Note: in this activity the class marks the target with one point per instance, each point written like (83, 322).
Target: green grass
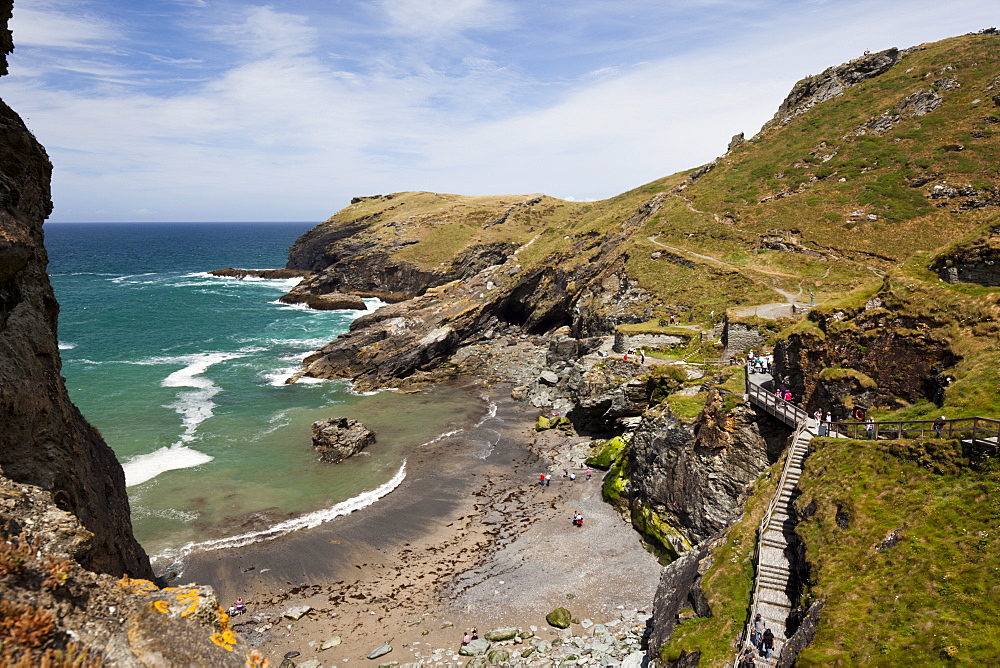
(727, 585)
(933, 599)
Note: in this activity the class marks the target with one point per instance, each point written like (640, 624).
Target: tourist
(870, 429)
(240, 606)
(466, 639)
(767, 643)
(572, 477)
(788, 395)
(818, 416)
(642, 356)
(589, 473)
(746, 661)
(541, 480)
(939, 426)
(757, 630)
(475, 633)
(548, 479)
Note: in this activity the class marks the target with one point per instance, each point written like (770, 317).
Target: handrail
(785, 411)
(764, 522)
(976, 428)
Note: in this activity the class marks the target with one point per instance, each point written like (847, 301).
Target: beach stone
(600, 630)
(559, 618)
(332, 642)
(502, 633)
(477, 647)
(381, 650)
(634, 660)
(297, 612)
(497, 656)
(476, 662)
(336, 439)
(286, 663)
(586, 623)
(311, 663)
(528, 651)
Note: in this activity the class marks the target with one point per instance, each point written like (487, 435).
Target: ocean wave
(285, 284)
(145, 467)
(138, 511)
(196, 406)
(126, 278)
(66, 346)
(307, 521)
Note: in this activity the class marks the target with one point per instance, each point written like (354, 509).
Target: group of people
(762, 640)
(470, 636)
(784, 393)
(760, 363)
(577, 519)
(545, 479)
(237, 608)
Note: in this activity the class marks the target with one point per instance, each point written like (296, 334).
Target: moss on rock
(559, 618)
(607, 452)
(663, 537)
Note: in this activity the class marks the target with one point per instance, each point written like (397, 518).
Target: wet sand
(467, 540)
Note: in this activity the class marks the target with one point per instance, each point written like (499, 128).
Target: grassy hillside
(825, 203)
(901, 539)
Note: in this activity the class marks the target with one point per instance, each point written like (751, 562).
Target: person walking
(939, 425)
(541, 480)
(870, 429)
(757, 630)
(818, 417)
(548, 479)
(767, 643)
(589, 473)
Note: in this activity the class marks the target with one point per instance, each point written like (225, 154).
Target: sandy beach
(469, 539)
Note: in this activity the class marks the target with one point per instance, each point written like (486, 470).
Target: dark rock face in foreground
(45, 441)
(336, 439)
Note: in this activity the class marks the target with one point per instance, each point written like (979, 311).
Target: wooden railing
(976, 428)
(769, 402)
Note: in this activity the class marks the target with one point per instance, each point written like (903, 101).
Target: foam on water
(66, 346)
(194, 406)
(307, 521)
(146, 467)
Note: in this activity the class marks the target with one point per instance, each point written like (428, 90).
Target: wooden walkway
(773, 573)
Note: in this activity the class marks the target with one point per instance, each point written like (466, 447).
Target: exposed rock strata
(881, 358)
(832, 82)
(336, 301)
(270, 274)
(696, 477)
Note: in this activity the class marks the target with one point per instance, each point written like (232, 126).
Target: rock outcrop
(695, 478)
(864, 357)
(977, 261)
(336, 439)
(832, 82)
(59, 610)
(336, 301)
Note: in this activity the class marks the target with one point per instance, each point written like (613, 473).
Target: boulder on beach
(559, 618)
(336, 439)
(381, 650)
(477, 647)
(297, 612)
(497, 657)
(502, 633)
(336, 301)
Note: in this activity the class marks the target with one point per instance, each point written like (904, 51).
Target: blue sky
(197, 110)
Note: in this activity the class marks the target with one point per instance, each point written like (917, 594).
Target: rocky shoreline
(466, 541)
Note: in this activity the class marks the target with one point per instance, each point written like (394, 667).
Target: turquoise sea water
(183, 374)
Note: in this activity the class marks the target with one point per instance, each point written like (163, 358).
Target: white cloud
(262, 31)
(46, 26)
(437, 19)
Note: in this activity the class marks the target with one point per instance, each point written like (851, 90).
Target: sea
(183, 373)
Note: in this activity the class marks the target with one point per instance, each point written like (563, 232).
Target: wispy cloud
(226, 111)
(44, 25)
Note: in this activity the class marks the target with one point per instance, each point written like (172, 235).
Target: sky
(205, 110)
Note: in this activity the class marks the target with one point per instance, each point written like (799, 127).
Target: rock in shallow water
(336, 439)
